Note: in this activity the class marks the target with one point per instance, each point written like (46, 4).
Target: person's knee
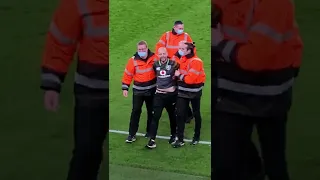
(88, 150)
(197, 113)
(136, 110)
(180, 112)
(172, 116)
(157, 110)
(275, 162)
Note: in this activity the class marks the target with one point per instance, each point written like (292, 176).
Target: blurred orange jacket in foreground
(259, 57)
(77, 26)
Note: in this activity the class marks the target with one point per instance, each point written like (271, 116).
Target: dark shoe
(151, 144)
(131, 139)
(178, 144)
(172, 139)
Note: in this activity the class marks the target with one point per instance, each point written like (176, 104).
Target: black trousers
(253, 165)
(182, 108)
(190, 113)
(233, 153)
(160, 102)
(90, 128)
(137, 102)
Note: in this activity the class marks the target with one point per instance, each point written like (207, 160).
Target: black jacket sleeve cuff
(125, 86)
(227, 50)
(51, 80)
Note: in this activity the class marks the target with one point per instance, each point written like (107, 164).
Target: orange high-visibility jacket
(170, 40)
(141, 72)
(262, 46)
(77, 26)
(192, 77)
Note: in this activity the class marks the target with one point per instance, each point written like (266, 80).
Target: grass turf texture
(37, 145)
(128, 25)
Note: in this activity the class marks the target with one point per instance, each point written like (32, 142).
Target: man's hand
(177, 73)
(125, 93)
(216, 35)
(51, 100)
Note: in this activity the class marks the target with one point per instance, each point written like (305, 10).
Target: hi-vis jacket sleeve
(128, 74)
(269, 31)
(196, 70)
(175, 57)
(161, 43)
(60, 45)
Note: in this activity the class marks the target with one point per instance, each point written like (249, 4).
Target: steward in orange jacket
(191, 79)
(140, 69)
(170, 39)
(176, 57)
(81, 27)
(257, 59)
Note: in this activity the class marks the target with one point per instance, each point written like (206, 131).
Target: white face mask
(142, 54)
(179, 31)
(181, 53)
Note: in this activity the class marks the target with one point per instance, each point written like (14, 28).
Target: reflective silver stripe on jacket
(58, 35)
(91, 83)
(48, 77)
(268, 31)
(190, 89)
(255, 90)
(144, 87)
(141, 71)
(195, 71)
(127, 72)
(90, 29)
(227, 50)
(162, 42)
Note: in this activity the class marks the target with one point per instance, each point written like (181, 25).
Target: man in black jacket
(166, 95)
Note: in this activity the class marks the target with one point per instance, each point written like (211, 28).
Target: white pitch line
(160, 137)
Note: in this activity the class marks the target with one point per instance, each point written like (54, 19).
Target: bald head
(162, 50)
(163, 54)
